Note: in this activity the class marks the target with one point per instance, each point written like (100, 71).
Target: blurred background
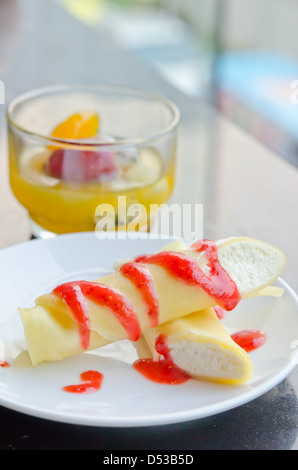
(239, 56)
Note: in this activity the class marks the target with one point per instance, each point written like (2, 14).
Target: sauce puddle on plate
(91, 381)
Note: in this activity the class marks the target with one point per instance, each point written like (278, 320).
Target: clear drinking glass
(61, 181)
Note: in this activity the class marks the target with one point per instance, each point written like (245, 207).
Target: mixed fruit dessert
(62, 184)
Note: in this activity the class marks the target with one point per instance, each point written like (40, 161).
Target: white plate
(125, 398)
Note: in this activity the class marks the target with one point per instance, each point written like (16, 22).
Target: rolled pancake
(52, 332)
(200, 345)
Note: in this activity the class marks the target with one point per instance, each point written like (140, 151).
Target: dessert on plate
(170, 296)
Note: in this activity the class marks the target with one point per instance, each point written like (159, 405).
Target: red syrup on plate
(91, 381)
(164, 370)
(4, 364)
(249, 340)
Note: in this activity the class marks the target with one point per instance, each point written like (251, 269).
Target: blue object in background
(267, 86)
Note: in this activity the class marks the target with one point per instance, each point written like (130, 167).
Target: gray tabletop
(245, 188)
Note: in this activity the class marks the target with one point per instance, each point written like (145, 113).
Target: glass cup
(93, 178)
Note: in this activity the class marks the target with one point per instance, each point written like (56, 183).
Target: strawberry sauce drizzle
(218, 284)
(220, 312)
(164, 370)
(74, 293)
(91, 381)
(4, 364)
(142, 279)
(249, 340)
(141, 258)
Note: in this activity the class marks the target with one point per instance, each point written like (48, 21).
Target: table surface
(246, 190)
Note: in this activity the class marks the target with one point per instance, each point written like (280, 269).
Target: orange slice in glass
(77, 126)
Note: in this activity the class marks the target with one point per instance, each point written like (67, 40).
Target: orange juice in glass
(73, 148)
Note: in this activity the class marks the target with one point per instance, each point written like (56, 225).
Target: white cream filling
(250, 263)
(206, 360)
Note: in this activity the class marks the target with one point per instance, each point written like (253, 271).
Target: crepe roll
(82, 315)
(200, 345)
